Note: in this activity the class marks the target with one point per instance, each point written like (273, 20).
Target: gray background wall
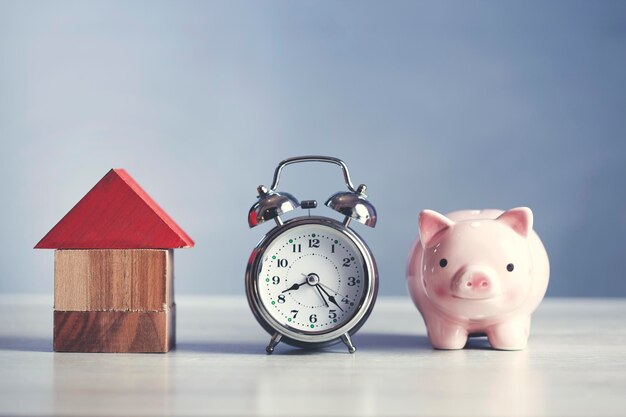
(433, 105)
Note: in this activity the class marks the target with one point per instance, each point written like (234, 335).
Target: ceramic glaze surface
(477, 272)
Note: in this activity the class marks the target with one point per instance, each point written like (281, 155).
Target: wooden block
(116, 214)
(113, 279)
(114, 331)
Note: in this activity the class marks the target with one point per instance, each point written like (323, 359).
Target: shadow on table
(382, 341)
(371, 342)
(26, 344)
(365, 341)
(221, 347)
(478, 343)
(245, 349)
(386, 341)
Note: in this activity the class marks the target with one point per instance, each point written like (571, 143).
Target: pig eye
(443, 262)
(510, 267)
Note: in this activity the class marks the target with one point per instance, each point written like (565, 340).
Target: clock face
(312, 278)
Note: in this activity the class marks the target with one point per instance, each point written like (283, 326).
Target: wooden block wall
(114, 331)
(114, 300)
(113, 279)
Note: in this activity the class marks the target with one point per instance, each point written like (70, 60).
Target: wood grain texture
(113, 279)
(116, 214)
(114, 331)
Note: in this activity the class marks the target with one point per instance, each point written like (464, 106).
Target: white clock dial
(311, 278)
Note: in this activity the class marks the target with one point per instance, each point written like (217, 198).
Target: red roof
(116, 214)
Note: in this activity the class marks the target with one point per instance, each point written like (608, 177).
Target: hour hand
(295, 286)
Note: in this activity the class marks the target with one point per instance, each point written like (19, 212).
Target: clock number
(346, 261)
(345, 300)
(332, 314)
(314, 243)
(297, 247)
(275, 280)
(281, 263)
(281, 298)
(351, 281)
(313, 318)
(332, 248)
(295, 313)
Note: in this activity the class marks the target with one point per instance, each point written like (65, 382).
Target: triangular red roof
(116, 214)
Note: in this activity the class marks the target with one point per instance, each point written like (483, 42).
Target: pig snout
(475, 284)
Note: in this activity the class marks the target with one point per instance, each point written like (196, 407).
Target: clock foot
(348, 342)
(273, 342)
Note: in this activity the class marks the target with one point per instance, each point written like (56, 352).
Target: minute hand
(317, 287)
(331, 298)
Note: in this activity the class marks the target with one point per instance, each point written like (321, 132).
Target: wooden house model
(114, 271)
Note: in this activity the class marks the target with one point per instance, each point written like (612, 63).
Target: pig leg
(446, 335)
(510, 335)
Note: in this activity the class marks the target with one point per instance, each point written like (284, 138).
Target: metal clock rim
(299, 337)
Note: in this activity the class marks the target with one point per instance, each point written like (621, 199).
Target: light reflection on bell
(353, 206)
(270, 205)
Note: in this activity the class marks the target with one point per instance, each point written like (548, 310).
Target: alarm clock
(311, 281)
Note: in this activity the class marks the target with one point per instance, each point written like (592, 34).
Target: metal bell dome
(354, 206)
(270, 205)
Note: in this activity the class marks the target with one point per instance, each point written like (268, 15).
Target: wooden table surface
(575, 365)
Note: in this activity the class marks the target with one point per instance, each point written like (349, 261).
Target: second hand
(330, 289)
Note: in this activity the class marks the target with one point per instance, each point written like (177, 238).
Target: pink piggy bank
(478, 272)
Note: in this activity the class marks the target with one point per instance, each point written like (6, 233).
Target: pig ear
(432, 224)
(519, 219)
